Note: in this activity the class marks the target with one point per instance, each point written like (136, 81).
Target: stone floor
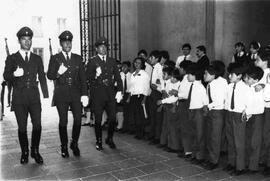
(133, 160)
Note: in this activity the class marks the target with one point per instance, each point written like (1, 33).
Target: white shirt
(23, 53)
(168, 87)
(157, 75)
(140, 83)
(265, 80)
(65, 54)
(128, 76)
(198, 97)
(184, 88)
(102, 57)
(218, 92)
(242, 96)
(181, 59)
(256, 103)
(148, 70)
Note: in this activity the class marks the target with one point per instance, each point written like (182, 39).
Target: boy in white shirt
(216, 92)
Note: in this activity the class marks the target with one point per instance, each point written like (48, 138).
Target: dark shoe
(238, 172)
(24, 157)
(228, 168)
(99, 145)
(160, 146)
(138, 137)
(35, 154)
(110, 142)
(266, 171)
(64, 151)
(86, 124)
(74, 148)
(211, 166)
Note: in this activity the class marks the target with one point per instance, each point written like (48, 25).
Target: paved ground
(133, 160)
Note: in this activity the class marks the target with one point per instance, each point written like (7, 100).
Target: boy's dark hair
(202, 48)
(184, 64)
(264, 54)
(142, 51)
(127, 63)
(195, 70)
(219, 67)
(169, 63)
(168, 70)
(176, 74)
(211, 69)
(236, 68)
(255, 72)
(156, 54)
(255, 44)
(186, 45)
(142, 60)
(164, 54)
(239, 44)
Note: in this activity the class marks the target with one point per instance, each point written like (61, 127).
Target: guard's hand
(118, 96)
(62, 69)
(84, 100)
(98, 72)
(18, 72)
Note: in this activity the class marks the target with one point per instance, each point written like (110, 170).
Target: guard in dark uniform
(102, 72)
(67, 70)
(22, 69)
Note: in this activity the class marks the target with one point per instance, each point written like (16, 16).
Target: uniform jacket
(102, 87)
(71, 85)
(26, 87)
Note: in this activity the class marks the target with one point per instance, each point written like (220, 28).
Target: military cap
(25, 31)
(66, 36)
(102, 41)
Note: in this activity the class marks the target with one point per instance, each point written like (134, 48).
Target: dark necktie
(67, 56)
(26, 57)
(125, 83)
(189, 94)
(185, 58)
(103, 58)
(209, 94)
(232, 100)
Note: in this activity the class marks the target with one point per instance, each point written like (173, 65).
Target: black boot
(24, 147)
(109, 141)
(74, 147)
(99, 144)
(64, 151)
(35, 154)
(98, 132)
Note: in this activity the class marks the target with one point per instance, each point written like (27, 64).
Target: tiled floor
(133, 160)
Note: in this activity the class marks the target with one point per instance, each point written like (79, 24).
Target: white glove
(18, 72)
(118, 96)
(98, 72)
(84, 100)
(62, 69)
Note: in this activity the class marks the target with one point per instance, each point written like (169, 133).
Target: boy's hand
(173, 92)
(259, 87)
(159, 102)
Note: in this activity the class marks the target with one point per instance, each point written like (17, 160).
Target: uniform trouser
(62, 108)
(2, 97)
(155, 117)
(136, 111)
(214, 122)
(254, 140)
(197, 120)
(21, 113)
(126, 123)
(265, 151)
(110, 107)
(186, 126)
(235, 133)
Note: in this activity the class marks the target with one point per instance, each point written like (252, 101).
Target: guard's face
(66, 46)
(25, 42)
(253, 50)
(239, 49)
(186, 51)
(199, 53)
(101, 49)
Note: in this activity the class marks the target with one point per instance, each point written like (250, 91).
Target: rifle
(7, 49)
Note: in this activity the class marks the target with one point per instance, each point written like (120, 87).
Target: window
(39, 51)
(100, 18)
(37, 26)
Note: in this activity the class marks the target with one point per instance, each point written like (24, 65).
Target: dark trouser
(62, 108)
(9, 86)
(155, 117)
(266, 134)
(215, 122)
(254, 139)
(196, 118)
(110, 107)
(126, 126)
(136, 111)
(186, 126)
(235, 133)
(2, 97)
(21, 113)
